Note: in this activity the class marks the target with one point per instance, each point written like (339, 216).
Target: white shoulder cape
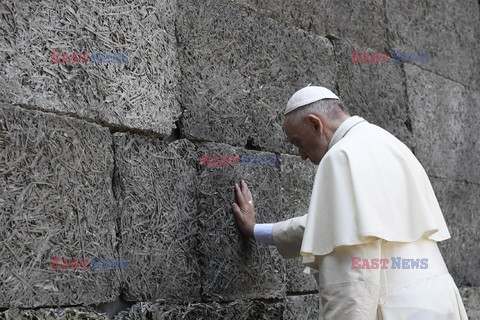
(369, 185)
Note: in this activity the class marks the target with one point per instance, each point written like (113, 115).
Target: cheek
(312, 145)
(318, 148)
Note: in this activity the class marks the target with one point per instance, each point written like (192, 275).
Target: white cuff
(263, 233)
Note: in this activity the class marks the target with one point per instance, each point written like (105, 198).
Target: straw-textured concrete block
(297, 178)
(240, 69)
(297, 280)
(156, 193)
(57, 201)
(445, 122)
(459, 202)
(232, 265)
(236, 310)
(73, 313)
(138, 94)
(302, 14)
(374, 91)
(304, 307)
(362, 21)
(449, 31)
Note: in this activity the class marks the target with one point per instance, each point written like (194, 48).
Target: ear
(315, 123)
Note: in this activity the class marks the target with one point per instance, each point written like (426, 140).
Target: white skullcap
(308, 95)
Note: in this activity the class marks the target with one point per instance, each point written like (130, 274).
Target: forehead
(290, 130)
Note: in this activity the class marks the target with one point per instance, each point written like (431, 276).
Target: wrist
(250, 231)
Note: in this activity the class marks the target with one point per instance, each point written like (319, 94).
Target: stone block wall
(104, 159)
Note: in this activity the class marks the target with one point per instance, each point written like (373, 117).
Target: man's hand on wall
(243, 209)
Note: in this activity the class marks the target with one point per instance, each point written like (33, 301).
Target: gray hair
(332, 109)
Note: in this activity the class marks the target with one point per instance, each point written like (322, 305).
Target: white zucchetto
(308, 95)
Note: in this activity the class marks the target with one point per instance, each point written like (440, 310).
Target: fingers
(245, 223)
(243, 209)
(243, 188)
(237, 212)
(239, 199)
(243, 196)
(247, 194)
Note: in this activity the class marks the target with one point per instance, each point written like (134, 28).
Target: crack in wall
(176, 133)
(467, 86)
(107, 125)
(464, 181)
(117, 192)
(301, 293)
(408, 120)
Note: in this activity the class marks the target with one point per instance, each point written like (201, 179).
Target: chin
(316, 161)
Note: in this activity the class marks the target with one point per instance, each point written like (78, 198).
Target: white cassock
(372, 199)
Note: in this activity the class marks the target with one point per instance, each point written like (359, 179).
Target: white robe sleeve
(288, 236)
(263, 233)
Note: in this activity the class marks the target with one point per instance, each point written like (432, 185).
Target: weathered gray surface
(70, 313)
(232, 65)
(362, 21)
(448, 30)
(445, 123)
(297, 178)
(297, 280)
(302, 14)
(56, 201)
(471, 299)
(239, 70)
(459, 202)
(374, 91)
(233, 266)
(157, 198)
(140, 94)
(236, 310)
(304, 307)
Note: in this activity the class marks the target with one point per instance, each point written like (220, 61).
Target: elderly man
(373, 222)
